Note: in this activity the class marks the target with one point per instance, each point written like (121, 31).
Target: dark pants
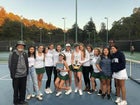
(55, 73)
(19, 87)
(86, 72)
(49, 75)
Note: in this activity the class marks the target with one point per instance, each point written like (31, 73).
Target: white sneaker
(76, 90)
(80, 92)
(33, 95)
(118, 100)
(50, 91)
(58, 94)
(40, 94)
(68, 92)
(39, 98)
(29, 97)
(122, 102)
(47, 91)
(96, 90)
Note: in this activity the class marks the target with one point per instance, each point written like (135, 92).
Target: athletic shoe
(103, 96)
(91, 91)
(50, 91)
(99, 93)
(40, 94)
(108, 96)
(33, 95)
(95, 90)
(118, 100)
(47, 91)
(76, 90)
(68, 92)
(122, 102)
(58, 94)
(86, 89)
(29, 97)
(39, 98)
(80, 92)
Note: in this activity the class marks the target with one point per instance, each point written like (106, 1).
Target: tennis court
(133, 92)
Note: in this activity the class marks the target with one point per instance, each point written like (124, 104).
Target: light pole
(64, 29)
(76, 21)
(21, 30)
(89, 37)
(106, 30)
(94, 37)
(49, 33)
(40, 35)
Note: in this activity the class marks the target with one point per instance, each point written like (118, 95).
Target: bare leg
(39, 77)
(108, 86)
(57, 82)
(123, 89)
(93, 83)
(75, 79)
(79, 76)
(117, 87)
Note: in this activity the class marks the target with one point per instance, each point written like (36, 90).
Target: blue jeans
(32, 77)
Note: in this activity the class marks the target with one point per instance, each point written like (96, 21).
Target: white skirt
(120, 75)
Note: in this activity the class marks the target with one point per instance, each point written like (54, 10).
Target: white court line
(4, 76)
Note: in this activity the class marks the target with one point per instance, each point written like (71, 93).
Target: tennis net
(133, 70)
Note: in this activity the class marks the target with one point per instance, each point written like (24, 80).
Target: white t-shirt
(49, 59)
(91, 56)
(31, 61)
(77, 57)
(39, 61)
(87, 59)
(51, 51)
(68, 57)
(93, 62)
(55, 57)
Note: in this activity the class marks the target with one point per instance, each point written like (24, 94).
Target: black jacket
(13, 60)
(118, 61)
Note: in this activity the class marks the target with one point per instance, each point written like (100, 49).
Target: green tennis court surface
(135, 56)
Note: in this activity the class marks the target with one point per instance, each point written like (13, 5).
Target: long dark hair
(89, 45)
(57, 46)
(103, 52)
(84, 51)
(34, 54)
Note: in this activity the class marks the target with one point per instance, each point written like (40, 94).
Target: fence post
(130, 68)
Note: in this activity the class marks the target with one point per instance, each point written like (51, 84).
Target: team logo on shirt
(115, 60)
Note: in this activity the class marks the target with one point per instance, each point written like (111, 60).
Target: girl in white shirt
(49, 69)
(77, 57)
(55, 59)
(32, 75)
(39, 65)
(86, 67)
(96, 72)
(68, 54)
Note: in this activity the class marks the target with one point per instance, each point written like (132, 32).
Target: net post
(130, 68)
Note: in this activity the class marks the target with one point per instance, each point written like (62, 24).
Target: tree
(71, 34)
(89, 31)
(102, 32)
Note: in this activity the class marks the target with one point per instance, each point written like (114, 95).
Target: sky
(52, 11)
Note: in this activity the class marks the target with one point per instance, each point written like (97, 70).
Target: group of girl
(92, 63)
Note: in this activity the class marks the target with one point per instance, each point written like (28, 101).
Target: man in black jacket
(18, 66)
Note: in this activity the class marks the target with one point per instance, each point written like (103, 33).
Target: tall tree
(90, 31)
